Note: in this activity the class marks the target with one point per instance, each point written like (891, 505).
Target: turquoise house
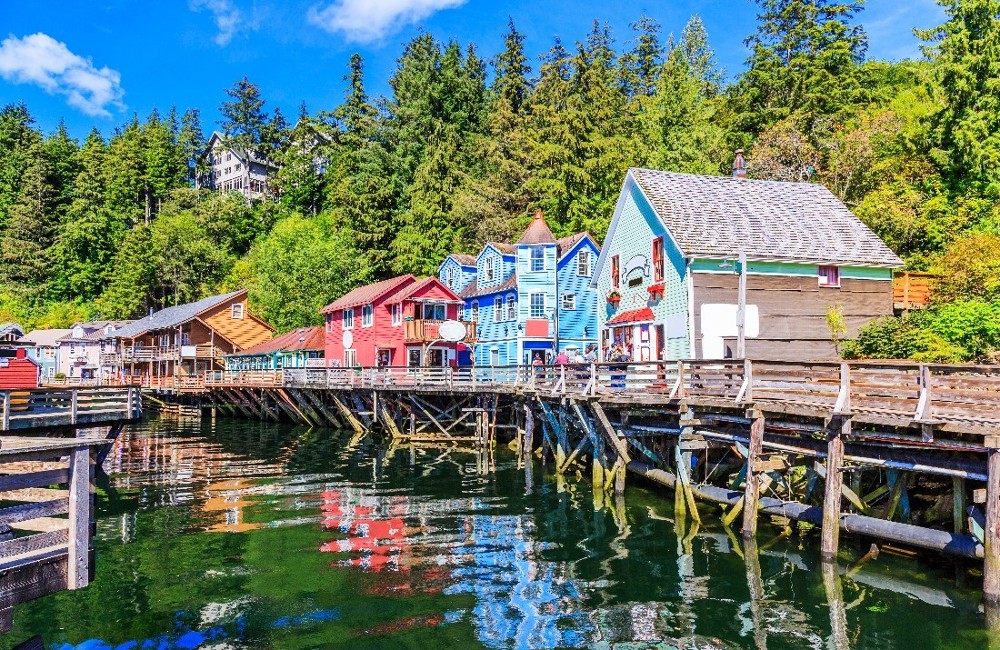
(299, 348)
(530, 299)
(668, 280)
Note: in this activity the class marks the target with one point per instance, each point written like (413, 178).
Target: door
(494, 357)
(413, 357)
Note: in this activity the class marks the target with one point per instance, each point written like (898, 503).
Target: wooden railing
(917, 393)
(912, 290)
(52, 407)
(51, 550)
(425, 331)
(219, 378)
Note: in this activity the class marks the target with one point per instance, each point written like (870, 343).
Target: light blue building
(530, 299)
(43, 347)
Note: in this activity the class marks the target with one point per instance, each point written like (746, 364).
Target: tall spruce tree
(244, 121)
(17, 136)
(31, 226)
(966, 51)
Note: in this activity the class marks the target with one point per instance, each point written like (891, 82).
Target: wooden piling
(751, 492)
(77, 571)
(991, 559)
(830, 539)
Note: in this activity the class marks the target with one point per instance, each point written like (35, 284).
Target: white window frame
(347, 319)
(450, 275)
(498, 309)
(350, 358)
(474, 311)
(488, 271)
(237, 311)
(494, 357)
(329, 323)
(511, 307)
(367, 315)
(532, 305)
(397, 314)
(569, 305)
(532, 258)
(821, 277)
(583, 263)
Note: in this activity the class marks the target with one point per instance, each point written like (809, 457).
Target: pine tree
(164, 163)
(125, 173)
(31, 225)
(700, 57)
(16, 139)
(641, 65)
(192, 143)
(967, 66)
(244, 121)
(61, 151)
(803, 58)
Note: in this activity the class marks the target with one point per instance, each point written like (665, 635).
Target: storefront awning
(643, 315)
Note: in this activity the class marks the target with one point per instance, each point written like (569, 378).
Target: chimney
(739, 165)
(150, 313)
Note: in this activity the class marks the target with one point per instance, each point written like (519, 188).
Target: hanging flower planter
(655, 291)
(614, 297)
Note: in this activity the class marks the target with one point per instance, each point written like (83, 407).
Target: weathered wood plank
(39, 479)
(14, 514)
(31, 543)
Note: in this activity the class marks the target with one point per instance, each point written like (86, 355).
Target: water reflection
(250, 535)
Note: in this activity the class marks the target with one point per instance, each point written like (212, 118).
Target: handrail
(924, 394)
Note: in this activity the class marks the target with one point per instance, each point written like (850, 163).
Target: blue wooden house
(682, 248)
(530, 299)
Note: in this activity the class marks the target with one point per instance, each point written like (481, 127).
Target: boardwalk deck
(47, 482)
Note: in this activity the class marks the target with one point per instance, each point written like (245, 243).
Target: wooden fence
(55, 407)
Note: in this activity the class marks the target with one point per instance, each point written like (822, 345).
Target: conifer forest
(467, 144)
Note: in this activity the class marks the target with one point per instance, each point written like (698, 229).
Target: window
(238, 167)
(397, 314)
(350, 357)
(829, 276)
(348, 319)
(615, 277)
(237, 310)
(229, 156)
(537, 305)
(475, 311)
(329, 323)
(434, 311)
(450, 277)
(569, 301)
(494, 357)
(488, 269)
(498, 308)
(367, 315)
(658, 259)
(511, 308)
(583, 263)
(537, 258)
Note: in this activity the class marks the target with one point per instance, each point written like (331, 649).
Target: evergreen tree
(125, 173)
(61, 151)
(244, 121)
(641, 65)
(700, 57)
(192, 143)
(803, 56)
(967, 62)
(31, 225)
(17, 137)
(163, 163)
(132, 289)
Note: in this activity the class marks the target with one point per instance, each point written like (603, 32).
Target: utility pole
(741, 308)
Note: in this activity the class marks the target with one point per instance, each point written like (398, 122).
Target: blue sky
(95, 63)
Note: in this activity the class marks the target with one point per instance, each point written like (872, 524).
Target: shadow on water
(233, 534)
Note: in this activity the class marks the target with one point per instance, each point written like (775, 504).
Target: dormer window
(583, 264)
(488, 269)
(237, 311)
(537, 258)
(450, 275)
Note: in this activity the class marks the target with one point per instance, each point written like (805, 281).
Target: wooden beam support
(839, 427)
(991, 559)
(78, 572)
(751, 492)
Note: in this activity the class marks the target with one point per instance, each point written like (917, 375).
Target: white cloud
(41, 60)
(228, 18)
(367, 21)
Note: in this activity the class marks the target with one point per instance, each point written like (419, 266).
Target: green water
(246, 535)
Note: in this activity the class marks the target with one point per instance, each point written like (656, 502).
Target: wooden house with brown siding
(186, 340)
(679, 245)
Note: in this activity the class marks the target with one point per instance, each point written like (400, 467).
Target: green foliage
(302, 265)
(836, 323)
(969, 268)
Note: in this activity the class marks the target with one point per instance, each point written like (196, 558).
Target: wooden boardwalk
(838, 445)
(47, 482)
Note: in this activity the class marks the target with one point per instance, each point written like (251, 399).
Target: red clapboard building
(17, 370)
(390, 323)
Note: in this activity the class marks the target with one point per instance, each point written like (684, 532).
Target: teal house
(680, 246)
(529, 300)
(299, 348)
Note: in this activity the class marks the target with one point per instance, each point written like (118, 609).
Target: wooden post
(599, 464)
(74, 405)
(5, 413)
(77, 572)
(991, 564)
(959, 502)
(839, 425)
(751, 493)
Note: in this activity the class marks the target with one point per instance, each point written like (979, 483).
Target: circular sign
(451, 331)
(348, 339)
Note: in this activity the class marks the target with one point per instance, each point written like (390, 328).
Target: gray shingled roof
(472, 289)
(172, 316)
(717, 216)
